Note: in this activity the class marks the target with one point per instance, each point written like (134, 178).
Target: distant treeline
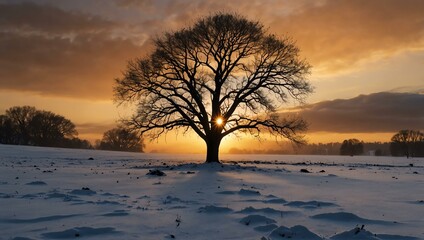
(347, 147)
(28, 126)
(121, 139)
(334, 148)
(409, 143)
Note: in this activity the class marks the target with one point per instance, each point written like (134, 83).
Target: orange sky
(63, 56)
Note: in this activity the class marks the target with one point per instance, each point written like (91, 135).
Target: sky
(367, 58)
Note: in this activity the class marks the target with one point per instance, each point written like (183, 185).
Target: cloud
(374, 113)
(175, 14)
(83, 67)
(94, 128)
(32, 17)
(60, 53)
(334, 35)
(339, 34)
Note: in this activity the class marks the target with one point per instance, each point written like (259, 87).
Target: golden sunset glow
(366, 72)
(219, 121)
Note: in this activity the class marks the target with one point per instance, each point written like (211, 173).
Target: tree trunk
(212, 153)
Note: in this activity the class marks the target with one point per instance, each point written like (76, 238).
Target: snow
(52, 193)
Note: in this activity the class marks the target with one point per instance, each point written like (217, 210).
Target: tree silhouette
(21, 118)
(121, 139)
(407, 143)
(7, 135)
(49, 129)
(28, 126)
(352, 147)
(225, 74)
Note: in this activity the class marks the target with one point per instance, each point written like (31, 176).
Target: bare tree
(21, 118)
(352, 147)
(409, 143)
(49, 129)
(224, 74)
(121, 139)
(6, 130)
(28, 126)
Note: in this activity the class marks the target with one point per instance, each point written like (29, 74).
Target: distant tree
(7, 132)
(378, 152)
(28, 126)
(77, 143)
(223, 75)
(49, 129)
(377, 148)
(121, 139)
(21, 118)
(352, 147)
(409, 143)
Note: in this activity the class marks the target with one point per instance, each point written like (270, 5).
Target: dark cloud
(48, 19)
(174, 14)
(378, 112)
(55, 51)
(332, 34)
(340, 33)
(81, 67)
(60, 53)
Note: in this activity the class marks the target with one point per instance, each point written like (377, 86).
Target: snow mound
(56, 195)
(395, 237)
(267, 210)
(310, 204)
(80, 232)
(156, 172)
(243, 192)
(63, 196)
(347, 217)
(214, 209)
(83, 191)
(4, 195)
(40, 219)
(227, 192)
(296, 232)
(275, 201)
(116, 213)
(31, 196)
(419, 202)
(266, 228)
(356, 233)
(107, 202)
(256, 219)
(37, 183)
(171, 199)
(247, 192)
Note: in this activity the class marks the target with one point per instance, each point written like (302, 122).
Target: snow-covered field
(48, 193)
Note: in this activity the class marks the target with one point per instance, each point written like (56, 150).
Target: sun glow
(219, 121)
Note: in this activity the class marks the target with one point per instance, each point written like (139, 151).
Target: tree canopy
(225, 74)
(28, 126)
(352, 147)
(121, 139)
(409, 143)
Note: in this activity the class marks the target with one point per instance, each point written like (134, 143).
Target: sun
(219, 121)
